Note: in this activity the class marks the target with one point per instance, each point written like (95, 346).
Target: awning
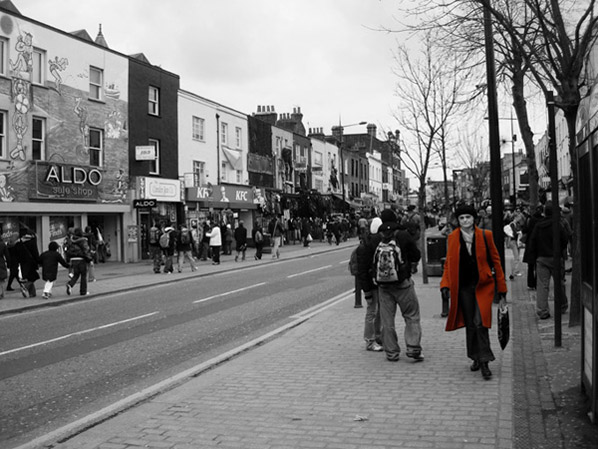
(233, 157)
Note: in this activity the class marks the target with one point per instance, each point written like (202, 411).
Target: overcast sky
(320, 55)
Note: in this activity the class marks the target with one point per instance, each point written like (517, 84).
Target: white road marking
(77, 333)
(307, 272)
(229, 293)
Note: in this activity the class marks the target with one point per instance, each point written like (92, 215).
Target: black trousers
(531, 275)
(476, 335)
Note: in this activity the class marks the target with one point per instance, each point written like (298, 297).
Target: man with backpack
(183, 247)
(391, 266)
(168, 244)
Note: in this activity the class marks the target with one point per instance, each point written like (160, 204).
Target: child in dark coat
(49, 261)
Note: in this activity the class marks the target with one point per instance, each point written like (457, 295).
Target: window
(239, 176)
(39, 59)
(223, 173)
(155, 164)
(224, 133)
(96, 147)
(3, 116)
(96, 81)
(199, 174)
(38, 139)
(317, 158)
(238, 137)
(198, 128)
(3, 56)
(154, 101)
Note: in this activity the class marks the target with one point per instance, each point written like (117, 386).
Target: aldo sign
(66, 182)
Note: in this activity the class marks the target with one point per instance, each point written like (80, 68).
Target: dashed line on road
(308, 271)
(87, 331)
(219, 295)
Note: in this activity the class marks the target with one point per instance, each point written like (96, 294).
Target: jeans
(276, 246)
(405, 298)
(156, 255)
(215, 254)
(372, 329)
(544, 271)
(79, 270)
(185, 255)
(168, 268)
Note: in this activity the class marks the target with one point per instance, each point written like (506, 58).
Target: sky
(323, 56)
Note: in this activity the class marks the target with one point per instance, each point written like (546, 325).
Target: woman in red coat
(468, 282)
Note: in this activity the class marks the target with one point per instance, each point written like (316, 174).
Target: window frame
(154, 166)
(153, 106)
(93, 85)
(38, 60)
(99, 149)
(3, 136)
(199, 173)
(198, 134)
(38, 139)
(238, 136)
(3, 56)
(224, 133)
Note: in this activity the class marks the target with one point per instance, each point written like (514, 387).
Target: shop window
(96, 147)
(38, 75)
(96, 83)
(155, 164)
(198, 125)
(38, 139)
(154, 101)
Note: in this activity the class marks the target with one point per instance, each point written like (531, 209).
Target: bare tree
(429, 93)
(473, 156)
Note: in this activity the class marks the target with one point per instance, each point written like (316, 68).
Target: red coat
(484, 289)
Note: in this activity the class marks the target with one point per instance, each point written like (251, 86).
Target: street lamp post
(340, 148)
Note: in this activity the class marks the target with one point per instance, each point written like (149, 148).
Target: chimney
(317, 133)
(266, 114)
(371, 129)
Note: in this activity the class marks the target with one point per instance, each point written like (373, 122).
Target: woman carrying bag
(469, 283)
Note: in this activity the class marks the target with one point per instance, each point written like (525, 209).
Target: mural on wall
(119, 193)
(24, 48)
(6, 191)
(57, 66)
(115, 125)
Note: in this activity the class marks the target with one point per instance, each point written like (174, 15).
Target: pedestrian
(205, 242)
(13, 266)
(168, 246)
(184, 243)
(228, 240)
(412, 222)
(93, 247)
(469, 283)
(257, 235)
(528, 259)
(511, 230)
(27, 256)
(78, 255)
(391, 265)
(306, 232)
(372, 332)
(486, 219)
(275, 229)
(4, 264)
(542, 251)
(215, 237)
(240, 241)
(49, 261)
(155, 252)
(102, 250)
(197, 236)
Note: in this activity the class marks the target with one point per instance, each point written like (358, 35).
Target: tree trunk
(421, 197)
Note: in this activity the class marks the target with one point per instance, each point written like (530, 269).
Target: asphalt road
(60, 364)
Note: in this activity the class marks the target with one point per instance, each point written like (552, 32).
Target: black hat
(466, 209)
(388, 215)
(388, 226)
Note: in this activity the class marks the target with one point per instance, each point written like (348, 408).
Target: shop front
(223, 203)
(63, 196)
(158, 201)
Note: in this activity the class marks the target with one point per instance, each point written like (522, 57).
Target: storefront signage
(142, 204)
(221, 196)
(66, 182)
(145, 153)
(161, 189)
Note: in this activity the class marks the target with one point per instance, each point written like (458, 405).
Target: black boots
(486, 373)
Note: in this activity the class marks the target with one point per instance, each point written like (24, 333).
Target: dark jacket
(180, 246)
(78, 248)
(540, 244)
(27, 255)
(366, 250)
(4, 261)
(49, 261)
(240, 237)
